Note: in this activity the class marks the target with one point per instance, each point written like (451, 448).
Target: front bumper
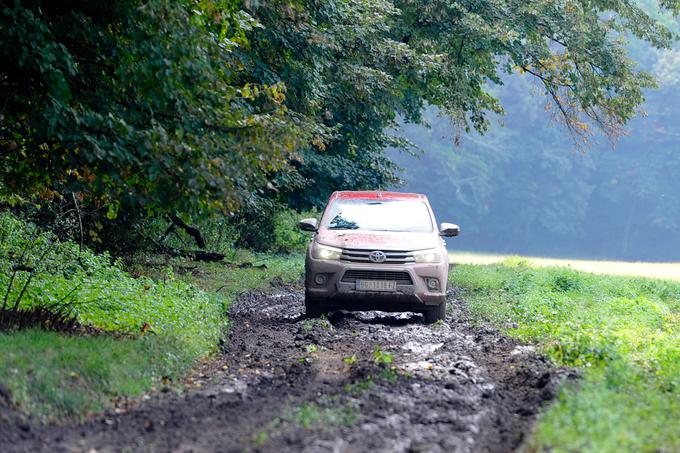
(335, 293)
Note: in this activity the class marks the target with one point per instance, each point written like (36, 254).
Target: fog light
(320, 279)
(432, 283)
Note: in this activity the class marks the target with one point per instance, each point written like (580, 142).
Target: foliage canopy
(200, 106)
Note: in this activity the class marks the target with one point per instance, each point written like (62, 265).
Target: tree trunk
(190, 230)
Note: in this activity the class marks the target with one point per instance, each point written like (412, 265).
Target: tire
(313, 308)
(434, 314)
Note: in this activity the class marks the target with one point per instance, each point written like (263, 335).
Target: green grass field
(622, 333)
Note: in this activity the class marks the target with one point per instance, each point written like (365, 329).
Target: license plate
(376, 285)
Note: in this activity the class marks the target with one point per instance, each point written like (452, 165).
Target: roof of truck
(376, 194)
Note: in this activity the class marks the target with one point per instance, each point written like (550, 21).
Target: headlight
(324, 252)
(427, 256)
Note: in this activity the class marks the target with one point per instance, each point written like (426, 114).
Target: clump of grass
(326, 411)
(389, 375)
(311, 348)
(262, 436)
(437, 324)
(623, 332)
(359, 387)
(311, 324)
(330, 412)
(381, 357)
(351, 360)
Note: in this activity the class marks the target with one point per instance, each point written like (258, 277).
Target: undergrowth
(143, 328)
(622, 332)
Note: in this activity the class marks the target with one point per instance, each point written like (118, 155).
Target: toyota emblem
(377, 256)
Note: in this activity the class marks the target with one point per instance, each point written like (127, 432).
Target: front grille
(352, 275)
(361, 256)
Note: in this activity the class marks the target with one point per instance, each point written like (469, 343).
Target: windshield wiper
(343, 227)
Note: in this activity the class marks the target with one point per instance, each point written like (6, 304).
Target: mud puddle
(355, 382)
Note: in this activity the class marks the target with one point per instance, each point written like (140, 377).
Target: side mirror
(449, 229)
(307, 224)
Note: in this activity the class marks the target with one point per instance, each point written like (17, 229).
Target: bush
(220, 234)
(287, 236)
(271, 227)
(38, 270)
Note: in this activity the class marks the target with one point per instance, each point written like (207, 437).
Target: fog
(525, 188)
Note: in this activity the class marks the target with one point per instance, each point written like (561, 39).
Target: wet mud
(356, 382)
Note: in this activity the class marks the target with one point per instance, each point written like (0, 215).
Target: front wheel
(313, 308)
(434, 314)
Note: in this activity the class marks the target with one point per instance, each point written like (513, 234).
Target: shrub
(287, 236)
(220, 233)
(38, 270)
(271, 227)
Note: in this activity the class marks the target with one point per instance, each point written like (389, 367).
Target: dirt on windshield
(353, 382)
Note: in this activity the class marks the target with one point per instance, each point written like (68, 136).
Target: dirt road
(356, 382)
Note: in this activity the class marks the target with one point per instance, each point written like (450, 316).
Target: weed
(389, 374)
(381, 357)
(261, 437)
(322, 323)
(329, 412)
(437, 324)
(350, 360)
(359, 387)
(311, 348)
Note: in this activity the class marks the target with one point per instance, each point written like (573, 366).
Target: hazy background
(524, 188)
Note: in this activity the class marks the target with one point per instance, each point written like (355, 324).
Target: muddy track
(286, 383)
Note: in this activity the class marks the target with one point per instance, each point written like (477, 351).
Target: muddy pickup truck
(377, 250)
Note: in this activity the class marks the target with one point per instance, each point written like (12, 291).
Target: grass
(154, 326)
(311, 415)
(311, 324)
(622, 332)
(53, 375)
(359, 387)
(224, 278)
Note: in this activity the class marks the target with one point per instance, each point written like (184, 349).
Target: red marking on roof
(376, 194)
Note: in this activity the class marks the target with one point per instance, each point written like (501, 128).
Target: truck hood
(378, 240)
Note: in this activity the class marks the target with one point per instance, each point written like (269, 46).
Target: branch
(190, 230)
(80, 221)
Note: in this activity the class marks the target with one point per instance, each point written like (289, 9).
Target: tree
(522, 188)
(198, 106)
(353, 64)
(139, 105)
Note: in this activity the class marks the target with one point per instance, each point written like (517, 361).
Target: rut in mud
(355, 382)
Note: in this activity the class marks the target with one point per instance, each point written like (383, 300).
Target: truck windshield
(379, 215)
